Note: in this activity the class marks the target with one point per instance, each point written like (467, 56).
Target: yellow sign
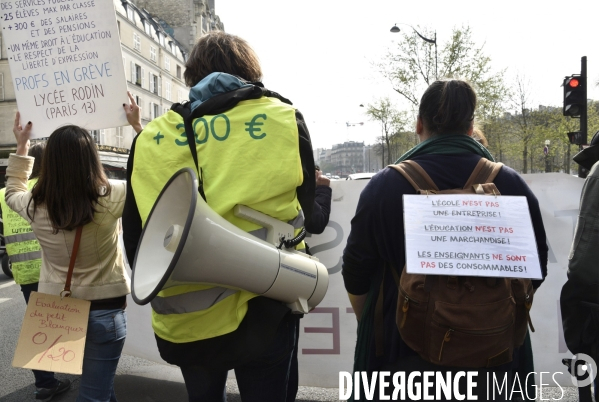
(53, 334)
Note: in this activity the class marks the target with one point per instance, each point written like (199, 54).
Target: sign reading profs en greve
(472, 235)
(66, 63)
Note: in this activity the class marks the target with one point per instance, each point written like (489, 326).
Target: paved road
(137, 380)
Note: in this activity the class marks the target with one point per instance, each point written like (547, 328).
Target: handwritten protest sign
(66, 63)
(53, 334)
(474, 235)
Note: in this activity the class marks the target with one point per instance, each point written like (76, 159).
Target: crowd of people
(62, 190)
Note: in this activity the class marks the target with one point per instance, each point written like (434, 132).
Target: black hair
(447, 107)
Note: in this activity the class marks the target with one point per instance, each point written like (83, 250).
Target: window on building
(180, 96)
(102, 137)
(118, 25)
(161, 38)
(138, 100)
(130, 13)
(167, 63)
(167, 90)
(154, 83)
(147, 27)
(119, 137)
(136, 41)
(156, 110)
(95, 134)
(153, 54)
(178, 71)
(136, 74)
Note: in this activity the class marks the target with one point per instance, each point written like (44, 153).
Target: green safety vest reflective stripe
(21, 244)
(237, 152)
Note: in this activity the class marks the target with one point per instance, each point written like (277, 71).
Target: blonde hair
(479, 136)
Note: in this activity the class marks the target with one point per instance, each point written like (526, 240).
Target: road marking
(7, 285)
(3, 300)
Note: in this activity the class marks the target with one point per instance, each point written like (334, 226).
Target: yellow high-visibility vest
(21, 244)
(248, 155)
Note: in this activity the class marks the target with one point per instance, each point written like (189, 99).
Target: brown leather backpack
(461, 321)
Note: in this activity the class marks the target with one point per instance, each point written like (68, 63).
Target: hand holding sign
(22, 135)
(133, 113)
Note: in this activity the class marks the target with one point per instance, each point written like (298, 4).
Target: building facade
(347, 158)
(186, 20)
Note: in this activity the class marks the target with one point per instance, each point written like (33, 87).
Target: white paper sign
(473, 235)
(66, 63)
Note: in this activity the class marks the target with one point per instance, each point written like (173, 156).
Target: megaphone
(185, 242)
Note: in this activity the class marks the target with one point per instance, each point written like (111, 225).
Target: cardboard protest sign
(470, 235)
(53, 334)
(66, 63)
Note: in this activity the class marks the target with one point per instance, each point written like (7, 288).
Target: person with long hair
(376, 243)
(73, 192)
(25, 255)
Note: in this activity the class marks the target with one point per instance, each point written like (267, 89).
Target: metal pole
(582, 172)
(436, 74)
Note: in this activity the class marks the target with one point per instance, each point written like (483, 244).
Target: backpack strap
(484, 172)
(416, 175)
(184, 110)
(482, 177)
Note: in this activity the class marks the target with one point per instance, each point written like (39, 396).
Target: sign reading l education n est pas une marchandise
(473, 235)
(66, 63)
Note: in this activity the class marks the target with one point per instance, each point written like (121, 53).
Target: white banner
(467, 234)
(66, 63)
(328, 334)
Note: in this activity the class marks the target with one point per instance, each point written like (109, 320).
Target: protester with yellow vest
(253, 149)
(26, 257)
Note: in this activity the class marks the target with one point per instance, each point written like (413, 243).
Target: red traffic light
(573, 83)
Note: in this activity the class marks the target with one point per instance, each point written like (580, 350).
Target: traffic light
(575, 137)
(574, 95)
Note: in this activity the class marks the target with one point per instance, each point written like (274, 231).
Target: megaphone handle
(291, 243)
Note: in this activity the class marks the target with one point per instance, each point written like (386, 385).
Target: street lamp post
(546, 152)
(395, 29)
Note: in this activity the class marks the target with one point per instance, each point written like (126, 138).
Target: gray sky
(319, 54)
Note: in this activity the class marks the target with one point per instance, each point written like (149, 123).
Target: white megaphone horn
(185, 242)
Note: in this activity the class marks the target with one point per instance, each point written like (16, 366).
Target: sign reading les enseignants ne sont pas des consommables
(66, 63)
(473, 235)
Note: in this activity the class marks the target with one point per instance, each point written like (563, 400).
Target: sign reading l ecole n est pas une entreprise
(473, 235)
(66, 63)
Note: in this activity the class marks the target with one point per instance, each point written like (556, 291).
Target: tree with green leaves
(410, 68)
(392, 122)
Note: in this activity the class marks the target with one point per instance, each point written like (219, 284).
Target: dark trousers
(43, 379)
(263, 379)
